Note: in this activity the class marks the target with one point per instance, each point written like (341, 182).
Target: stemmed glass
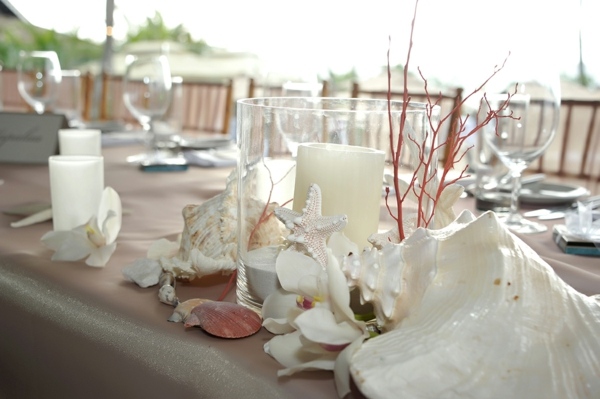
(38, 74)
(147, 95)
(525, 128)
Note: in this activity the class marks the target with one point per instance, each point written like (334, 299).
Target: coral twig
(424, 184)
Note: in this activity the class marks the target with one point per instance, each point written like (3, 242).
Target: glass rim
(262, 102)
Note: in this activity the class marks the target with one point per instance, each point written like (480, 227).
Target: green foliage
(71, 50)
(155, 29)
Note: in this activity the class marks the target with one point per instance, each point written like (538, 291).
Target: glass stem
(514, 214)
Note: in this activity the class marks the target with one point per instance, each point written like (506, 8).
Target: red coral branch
(425, 173)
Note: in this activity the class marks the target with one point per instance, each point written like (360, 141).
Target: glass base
(521, 225)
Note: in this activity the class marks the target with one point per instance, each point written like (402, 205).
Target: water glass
(288, 143)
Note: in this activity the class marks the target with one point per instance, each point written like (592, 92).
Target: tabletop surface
(70, 330)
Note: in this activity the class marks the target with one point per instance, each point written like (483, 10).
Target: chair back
(11, 99)
(203, 106)
(449, 102)
(575, 150)
(207, 105)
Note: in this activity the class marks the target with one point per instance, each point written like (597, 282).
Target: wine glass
(147, 95)
(38, 74)
(525, 127)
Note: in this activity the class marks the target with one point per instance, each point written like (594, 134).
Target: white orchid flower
(95, 240)
(313, 311)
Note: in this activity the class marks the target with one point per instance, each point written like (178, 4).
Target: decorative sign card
(29, 138)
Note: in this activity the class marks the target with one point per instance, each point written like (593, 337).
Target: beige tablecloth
(71, 331)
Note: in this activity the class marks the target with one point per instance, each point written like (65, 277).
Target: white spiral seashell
(493, 321)
(209, 238)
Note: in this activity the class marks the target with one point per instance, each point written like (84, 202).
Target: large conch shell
(209, 238)
(478, 315)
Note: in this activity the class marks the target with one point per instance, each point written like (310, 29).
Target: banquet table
(68, 330)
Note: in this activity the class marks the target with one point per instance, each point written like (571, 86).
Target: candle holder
(286, 144)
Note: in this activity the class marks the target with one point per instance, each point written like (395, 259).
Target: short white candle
(76, 184)
(350, 178)
(79, 142)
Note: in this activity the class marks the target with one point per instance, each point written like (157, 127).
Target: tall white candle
(80, 142)
(350, 178)
(76, 184)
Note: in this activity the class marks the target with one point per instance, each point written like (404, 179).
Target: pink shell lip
(225, 319)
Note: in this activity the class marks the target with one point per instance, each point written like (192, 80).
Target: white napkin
(213, 158)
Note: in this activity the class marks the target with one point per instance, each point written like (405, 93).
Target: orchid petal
(54, 239)
(322, 363)
(338, 291)
(291, 266)
(289, 351)
(341, 245)
(309, 286)
(277, 326)
(99, 257)
(277, 304)
(320, 325)
(110, 203)
(72, 247)
(341, 370)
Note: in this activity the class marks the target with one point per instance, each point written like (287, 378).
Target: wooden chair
(207, 105)
(73, 84)
(286, 89)
(88, 81)
(450, 105)
(203, 106)
(575, 150)
(11, 98)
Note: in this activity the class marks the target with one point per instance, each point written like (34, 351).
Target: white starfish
(310, 229)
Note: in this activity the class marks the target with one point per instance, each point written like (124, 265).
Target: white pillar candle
(76, 184)
(350, 178)
(79, 142)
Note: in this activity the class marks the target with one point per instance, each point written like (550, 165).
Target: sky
(455, 40)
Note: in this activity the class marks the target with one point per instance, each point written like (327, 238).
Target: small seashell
(144, 272)
(183, 309)
(225, 319)
(167, 295)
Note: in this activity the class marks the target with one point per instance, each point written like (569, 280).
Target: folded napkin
(213, 158)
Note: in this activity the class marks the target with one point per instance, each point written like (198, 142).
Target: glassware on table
(147, 95)
(287, 143)
(523, 132)
(39, 75)
(69, 101)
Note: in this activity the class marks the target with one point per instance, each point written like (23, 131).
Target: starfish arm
(313, 202)
(288, 217)
(331, 224)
